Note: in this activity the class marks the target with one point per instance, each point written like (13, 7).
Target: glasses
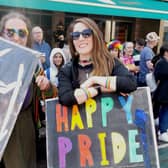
(22, 33)
(85, 34)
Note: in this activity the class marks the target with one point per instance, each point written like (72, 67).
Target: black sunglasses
(22, 33)
(85, 34)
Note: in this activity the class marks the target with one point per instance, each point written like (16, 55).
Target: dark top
(161, 75)
(68, 81)
(84, 72)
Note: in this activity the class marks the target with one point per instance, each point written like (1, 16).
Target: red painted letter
(61, 118)
(85, 143)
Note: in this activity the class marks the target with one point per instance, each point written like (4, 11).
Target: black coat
(161, 75)
(68, 81)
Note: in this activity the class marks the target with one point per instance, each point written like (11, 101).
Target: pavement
(163, 155)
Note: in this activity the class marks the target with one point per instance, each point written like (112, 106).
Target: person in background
(127, 58)
(139, 45)
(146, 56)
(155, 59)
(65, 48)
(115, 47)
(93, 70)
(161, 93)
(57, 59)
(41, 45)
(20, 151)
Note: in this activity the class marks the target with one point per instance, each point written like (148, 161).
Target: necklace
(85, 61)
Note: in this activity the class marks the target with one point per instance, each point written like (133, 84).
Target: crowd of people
(93, 68)
(140, 59)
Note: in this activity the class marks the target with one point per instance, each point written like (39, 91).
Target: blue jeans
(163, 118)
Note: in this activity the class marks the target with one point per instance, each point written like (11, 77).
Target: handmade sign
(17, 65)
(108, 131)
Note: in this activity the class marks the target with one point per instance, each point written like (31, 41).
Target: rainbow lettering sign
(108, 131)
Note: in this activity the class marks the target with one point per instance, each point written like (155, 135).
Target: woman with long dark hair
(93, 69)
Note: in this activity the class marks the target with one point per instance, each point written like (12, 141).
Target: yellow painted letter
(119, 147)
(76, 118)
(102, 137)
(90, 108)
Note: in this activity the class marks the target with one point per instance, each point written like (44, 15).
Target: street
(163, 155)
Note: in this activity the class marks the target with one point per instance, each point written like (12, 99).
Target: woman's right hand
(83, 94)
(42, 82)
(80, 96)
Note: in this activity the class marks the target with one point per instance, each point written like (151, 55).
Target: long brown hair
(103, 61)
(13, 15)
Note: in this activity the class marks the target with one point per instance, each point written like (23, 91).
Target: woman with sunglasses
(21, 149)
(93, 70)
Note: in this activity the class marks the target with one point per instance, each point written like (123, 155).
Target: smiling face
(129, 48)
(83, 45)
(18, 25)
(58, 59)
(37, 34)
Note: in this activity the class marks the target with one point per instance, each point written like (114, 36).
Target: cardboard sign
(17, 65)
(108, 131)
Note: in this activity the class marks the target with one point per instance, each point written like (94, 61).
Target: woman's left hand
(42, 82)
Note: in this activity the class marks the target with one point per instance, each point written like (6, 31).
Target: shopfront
(124, 20)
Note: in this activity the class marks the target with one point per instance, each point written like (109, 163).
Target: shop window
(123, 31)
(165, 36)
(35, 19)
(44, 21)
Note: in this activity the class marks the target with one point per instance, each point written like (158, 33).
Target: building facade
(113, 27)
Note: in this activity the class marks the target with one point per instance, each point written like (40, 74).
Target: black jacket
(68, 81)
(161, 75)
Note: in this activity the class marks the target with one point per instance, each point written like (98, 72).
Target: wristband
(111, 83)
(87, 93)
(108, 83)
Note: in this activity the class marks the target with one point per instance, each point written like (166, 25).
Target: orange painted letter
(61, 118)
(85, 143)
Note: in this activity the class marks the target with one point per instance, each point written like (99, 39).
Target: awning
(155, 9)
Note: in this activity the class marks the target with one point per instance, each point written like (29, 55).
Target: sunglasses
(22, 33)
(85, 34)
